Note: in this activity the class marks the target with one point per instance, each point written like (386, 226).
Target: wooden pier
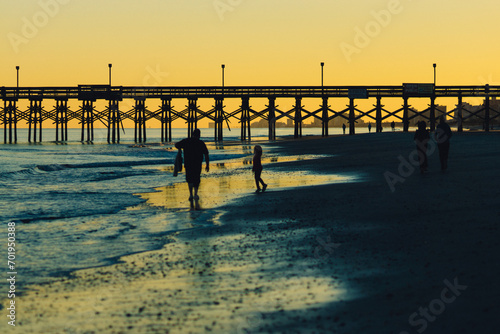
(112, 117)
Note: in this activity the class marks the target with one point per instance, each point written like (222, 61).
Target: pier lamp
(322, 66)
(110, 65)
(17, 69)
(434, 65)
(223, 67)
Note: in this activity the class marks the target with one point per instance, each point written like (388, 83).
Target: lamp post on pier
(17, 70)
(434, 65)
(324, 115)
(110, 65)
(322, 66)
(223, 67)
(219, 111)
(432, 115)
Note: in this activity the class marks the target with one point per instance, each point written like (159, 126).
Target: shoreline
(309, 260)
(258, 134)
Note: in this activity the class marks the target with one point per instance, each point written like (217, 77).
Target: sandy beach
(351, 239)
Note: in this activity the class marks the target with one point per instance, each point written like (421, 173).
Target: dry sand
(352, 257)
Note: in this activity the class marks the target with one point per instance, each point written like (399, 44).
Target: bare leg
(264, 186)
(190, 185)
(196, 192)
(258, 180)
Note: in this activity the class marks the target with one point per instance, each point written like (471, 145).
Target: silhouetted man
(443, 135)
(194, 150)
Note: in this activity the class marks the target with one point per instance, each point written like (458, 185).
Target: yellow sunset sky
(261, 42)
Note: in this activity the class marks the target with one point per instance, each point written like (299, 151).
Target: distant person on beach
(369, 127)
(194, 151)
(421, 139)
(257, 168)
(393, 126)
(343, 127)
(442, 135)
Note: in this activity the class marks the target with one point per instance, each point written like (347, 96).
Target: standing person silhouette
(194, 151)
(343, 127)
(442, 135)
(369, 127)
(421, 139)
(257, 168)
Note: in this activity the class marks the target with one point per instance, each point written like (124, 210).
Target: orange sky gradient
(261, 42)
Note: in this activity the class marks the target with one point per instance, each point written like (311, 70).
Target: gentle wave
(76, 203)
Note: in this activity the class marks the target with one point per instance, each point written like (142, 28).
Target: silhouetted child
(257, 167)
(421, 139)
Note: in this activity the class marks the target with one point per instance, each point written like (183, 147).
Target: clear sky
(262, 42)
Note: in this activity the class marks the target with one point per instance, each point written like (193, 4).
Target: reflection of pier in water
(112, 117)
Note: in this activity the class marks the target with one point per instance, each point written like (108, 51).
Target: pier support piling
(166, 119)
(10, 121)
(61, 119)
(35, 119)
(432, 116)
(406, 122)
(352, 118)
(245, 119)
(487, 114)
(192, 119)
(271, 117)
(487, 109)
(113, 122)
(140, 120)
(87, 119)
(324, 117)
(5, 121)
(460, 127)
(378, 114)
(219, 118)
(298, 118)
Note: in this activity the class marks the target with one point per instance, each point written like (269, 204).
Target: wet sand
(334, 256)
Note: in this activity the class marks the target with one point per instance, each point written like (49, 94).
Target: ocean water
(81, 205)
(77, 205)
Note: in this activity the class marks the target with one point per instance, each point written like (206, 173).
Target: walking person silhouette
(194, 151)
(442, 135)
